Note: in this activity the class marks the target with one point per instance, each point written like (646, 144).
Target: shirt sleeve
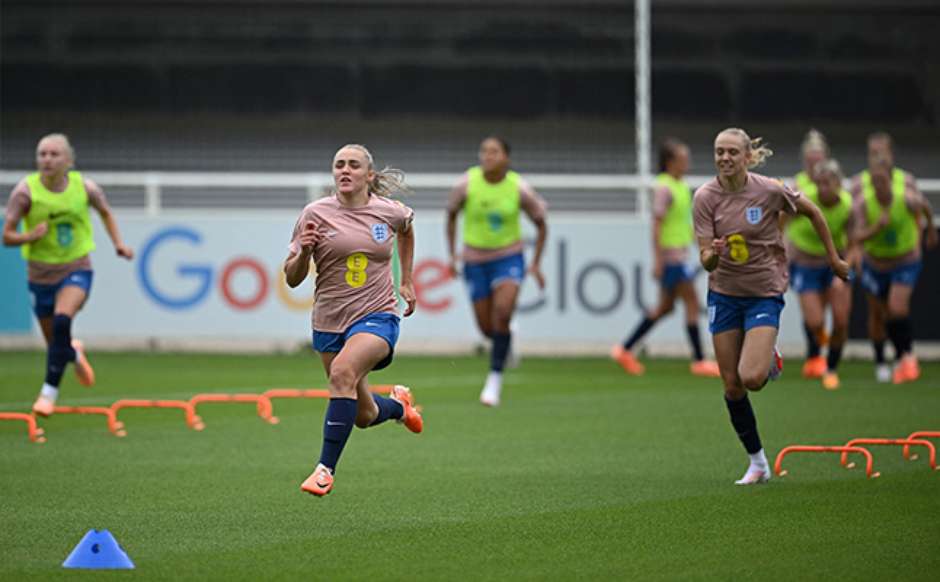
(96, 197)
(788, 198)
(458, 195)
(294, 246)
(662, 200)
(703, 214)
(404, 216)
(19, 203)
(531, 203)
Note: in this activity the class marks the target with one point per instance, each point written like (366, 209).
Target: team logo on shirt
(380, 232)
(753, 214)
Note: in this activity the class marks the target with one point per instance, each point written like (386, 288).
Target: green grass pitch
(583, 473)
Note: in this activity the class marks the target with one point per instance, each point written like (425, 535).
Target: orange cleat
(84, 371)
(907, 370)
(412, 418)
(320, 482)
(814, 367)
(43, 406)
(706, 369)
(830, 381)
(627, 360)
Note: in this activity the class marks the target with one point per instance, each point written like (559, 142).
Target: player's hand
(536, 272)
(931, 238)
(309, 237)
(40, 231)
(718, 246)
(841, 269)
(124, 251)
(452, 268)
(407, 292)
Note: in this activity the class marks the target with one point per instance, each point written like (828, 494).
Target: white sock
(758, 459)
(49, 391)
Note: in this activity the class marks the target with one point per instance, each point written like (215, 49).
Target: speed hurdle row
(854, 446)
(263, 405)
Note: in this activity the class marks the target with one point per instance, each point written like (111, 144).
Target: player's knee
(753, 380)
(342, 380)
(899, 309)
(734, 391)
(501, 317)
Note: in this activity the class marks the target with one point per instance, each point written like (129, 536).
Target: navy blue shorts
(727, 312)
(675, 273)
(44, 295)
(805, 279)
(483, 277)
(384, 325)
(878, 283)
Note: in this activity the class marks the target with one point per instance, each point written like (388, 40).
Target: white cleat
(883, 373)
(491, 391)
(776, 365)
(754, 476)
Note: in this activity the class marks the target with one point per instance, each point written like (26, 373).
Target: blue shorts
(805, 279)
(675, 273)
(726, 312)
(384, 325)
(483, 277)
(44, 295)
(878, 283)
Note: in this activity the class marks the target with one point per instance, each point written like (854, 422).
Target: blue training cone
(98, 550)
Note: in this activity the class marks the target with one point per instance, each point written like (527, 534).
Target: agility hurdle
(262, 403)
(921, 434)
(869, 462)
(890, 442)
(35, 433)
(114, 425)
(193, 420)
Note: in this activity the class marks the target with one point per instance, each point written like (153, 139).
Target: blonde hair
(386, 181)
(759, 152)
(829, 167)
(65, 141)
(814, 141)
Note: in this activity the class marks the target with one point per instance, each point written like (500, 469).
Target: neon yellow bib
(900, 236)
(800, 230)
(491, 211)
(70, 236)
(677, 230)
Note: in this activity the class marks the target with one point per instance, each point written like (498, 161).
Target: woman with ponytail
(350, 235)
(740, 245)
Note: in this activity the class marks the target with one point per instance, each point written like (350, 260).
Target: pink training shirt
(21, 200)
(530, 203)
(754, 263)
(353, 258)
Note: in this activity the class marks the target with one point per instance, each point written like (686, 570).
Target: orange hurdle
(35, 433)
(312, 393)
(819, 449)
(114, 426)
(921, 434)
(896, 442)
(262, 402)
(192, 419)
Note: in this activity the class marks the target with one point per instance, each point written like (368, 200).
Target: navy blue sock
(60, 351)
(879, 347)
(812, 342)
(696, 340)
(639, 332)
(388, 408)
(900, 331)
(833, 357)
(501, 343)
(338, 424)
(745, 424)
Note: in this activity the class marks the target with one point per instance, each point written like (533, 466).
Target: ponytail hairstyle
(386, 181)
(667, 151)
(814, 141)
(759, 152)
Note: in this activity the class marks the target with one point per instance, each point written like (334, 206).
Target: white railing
(314, 183)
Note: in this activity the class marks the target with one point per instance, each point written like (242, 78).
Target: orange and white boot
(627, 360)
(814, 367)
(44, 406)
(706, 369)
(320, 482)
(84, 371)
(411, 418)
(907, 370)
(830, 380)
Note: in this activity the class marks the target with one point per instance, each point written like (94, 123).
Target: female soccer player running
(889, 211)
(812, 278)
(491, 196)
(56, 240)
(672, 237)
(740, 245)
(350, 236)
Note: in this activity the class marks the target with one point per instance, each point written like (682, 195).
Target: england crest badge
(753, 214)
(380, 232)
